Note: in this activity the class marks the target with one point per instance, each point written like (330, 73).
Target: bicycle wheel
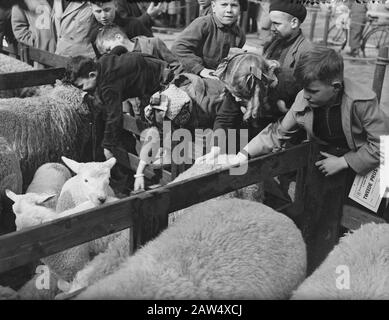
(337, 37)
(373, 41)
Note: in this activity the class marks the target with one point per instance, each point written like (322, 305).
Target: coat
(205, 42)
(35, 26)
(73, 28)
(363, 123)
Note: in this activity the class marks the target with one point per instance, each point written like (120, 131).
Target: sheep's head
(93, 178)
(23, 202)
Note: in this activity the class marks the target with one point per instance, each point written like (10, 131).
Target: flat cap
(293, 7)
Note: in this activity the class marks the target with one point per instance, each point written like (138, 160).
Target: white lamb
(220, 249)
(91, 182)
(357, 268)
(49, 179)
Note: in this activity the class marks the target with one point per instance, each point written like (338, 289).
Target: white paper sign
(366, 190)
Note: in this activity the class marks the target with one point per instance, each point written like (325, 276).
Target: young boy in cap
(208, 39)
(334, 111)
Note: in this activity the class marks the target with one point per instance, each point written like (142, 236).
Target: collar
(288, 42)
(234, 27)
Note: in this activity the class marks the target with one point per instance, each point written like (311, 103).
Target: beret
(293, 7)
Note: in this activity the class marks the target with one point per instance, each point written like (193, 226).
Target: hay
(43, 128)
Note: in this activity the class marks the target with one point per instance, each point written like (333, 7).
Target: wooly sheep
(42, 128)
(49, 179)
(10, 178)
(357, 268)
(254, 192)
(220, 249)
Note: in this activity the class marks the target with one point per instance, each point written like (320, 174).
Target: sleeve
(229, 115)
(111, 97)
(21, 27)
(274, 136)
(136, 28)
(147, 21)
(188, 44)
(375, 124)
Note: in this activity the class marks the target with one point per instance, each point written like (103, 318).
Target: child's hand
(139, 183)
(108, 154)
(208, 73)
(154, 10)
(331, 164)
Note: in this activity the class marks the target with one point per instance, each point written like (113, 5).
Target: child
(333, 110)
(208, 39)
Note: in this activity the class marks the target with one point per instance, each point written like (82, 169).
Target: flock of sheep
(224, 248)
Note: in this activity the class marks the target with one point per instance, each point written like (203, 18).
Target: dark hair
(319, 63)
(108, 32)
(79, 67)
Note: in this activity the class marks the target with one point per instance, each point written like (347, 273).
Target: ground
(360, 71)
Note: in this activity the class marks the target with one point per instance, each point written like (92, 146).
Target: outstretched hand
(332, 164)
(154, 10)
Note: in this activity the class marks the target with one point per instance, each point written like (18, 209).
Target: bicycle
(374, 36)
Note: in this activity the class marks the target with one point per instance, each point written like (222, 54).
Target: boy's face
(320, 94)
(226, 11)
(204, 3)
(107, 45)
(104, 13)
(282, 24)
(87, 84)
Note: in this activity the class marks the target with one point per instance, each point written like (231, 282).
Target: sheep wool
(357, 268)
(10, 178)
(49, 178)
(220, 249)
(42, 128)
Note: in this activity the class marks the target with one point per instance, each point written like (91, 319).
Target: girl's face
(226, 11)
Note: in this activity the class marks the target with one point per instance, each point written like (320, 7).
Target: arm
(21, 27)
(134, 28)
(188, 44)
(375, 124)
(229, 115)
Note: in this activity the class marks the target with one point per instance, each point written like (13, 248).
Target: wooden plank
(30, 78)
(20, 248)
(47, 58)
(354, 217)
(133, 125)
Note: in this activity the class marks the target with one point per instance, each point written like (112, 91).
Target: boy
(333, 110)
(110, 37)
(204, 7)
(208, 39)
(113, 79)
(105, 14)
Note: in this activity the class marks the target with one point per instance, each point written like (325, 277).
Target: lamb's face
(95, 182)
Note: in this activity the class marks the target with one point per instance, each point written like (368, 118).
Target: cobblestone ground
(361, 71)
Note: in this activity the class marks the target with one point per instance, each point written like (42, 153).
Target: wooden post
(188, 5)
(326, 26)
(320, 218)
(313, 24)
(379, 72)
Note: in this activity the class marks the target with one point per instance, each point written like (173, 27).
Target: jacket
(205, 42)
(120, 77)
(287, 87)
(363, 123)
(73, 28)
(34, 26)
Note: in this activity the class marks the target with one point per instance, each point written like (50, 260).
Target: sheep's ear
(73, 165)
(12, 195)
(42, 198)
(110, 162)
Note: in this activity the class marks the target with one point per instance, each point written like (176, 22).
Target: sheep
(357, 268)
(91, 182)
(49, 179)
(42, 128)
(10, 178)
(220, 249)
(254, 192)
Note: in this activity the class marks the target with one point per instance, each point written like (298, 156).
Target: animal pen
(318, 207)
